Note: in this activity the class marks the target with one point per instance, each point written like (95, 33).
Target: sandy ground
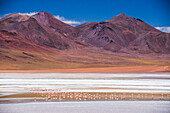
(97, 70)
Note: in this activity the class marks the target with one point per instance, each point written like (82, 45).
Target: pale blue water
(88, 107)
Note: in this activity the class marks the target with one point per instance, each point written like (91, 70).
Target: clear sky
(153, 12)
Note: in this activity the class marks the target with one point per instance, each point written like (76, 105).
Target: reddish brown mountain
(42, 29)
(123, 33)
(105, 43)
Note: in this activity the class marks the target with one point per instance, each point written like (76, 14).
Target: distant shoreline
(134, 69)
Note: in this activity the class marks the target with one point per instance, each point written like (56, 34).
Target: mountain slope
(123, 33)
(41, 41)
(33, 30)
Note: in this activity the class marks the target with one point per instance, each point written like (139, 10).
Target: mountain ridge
(119, 41)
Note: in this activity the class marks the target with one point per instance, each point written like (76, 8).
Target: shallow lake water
(85, 91)
(12, 83)
(88, 107)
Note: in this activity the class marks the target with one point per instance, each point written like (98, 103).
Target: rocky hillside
(42, 41)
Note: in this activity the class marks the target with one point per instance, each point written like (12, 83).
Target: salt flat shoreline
(147, 75)
(134, 69)
(54, 87)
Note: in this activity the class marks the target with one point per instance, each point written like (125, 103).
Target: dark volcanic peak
(120, 16)
(43, 16)
(119, 34)
(50, 22)
(123, 17)
(46, 18)
(122, 32)
(134, 24)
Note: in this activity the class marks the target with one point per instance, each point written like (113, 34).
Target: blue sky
(153, 12)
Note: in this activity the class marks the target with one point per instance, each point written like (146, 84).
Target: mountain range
(41, 41)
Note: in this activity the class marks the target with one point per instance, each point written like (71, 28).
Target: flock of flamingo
(53, 95)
